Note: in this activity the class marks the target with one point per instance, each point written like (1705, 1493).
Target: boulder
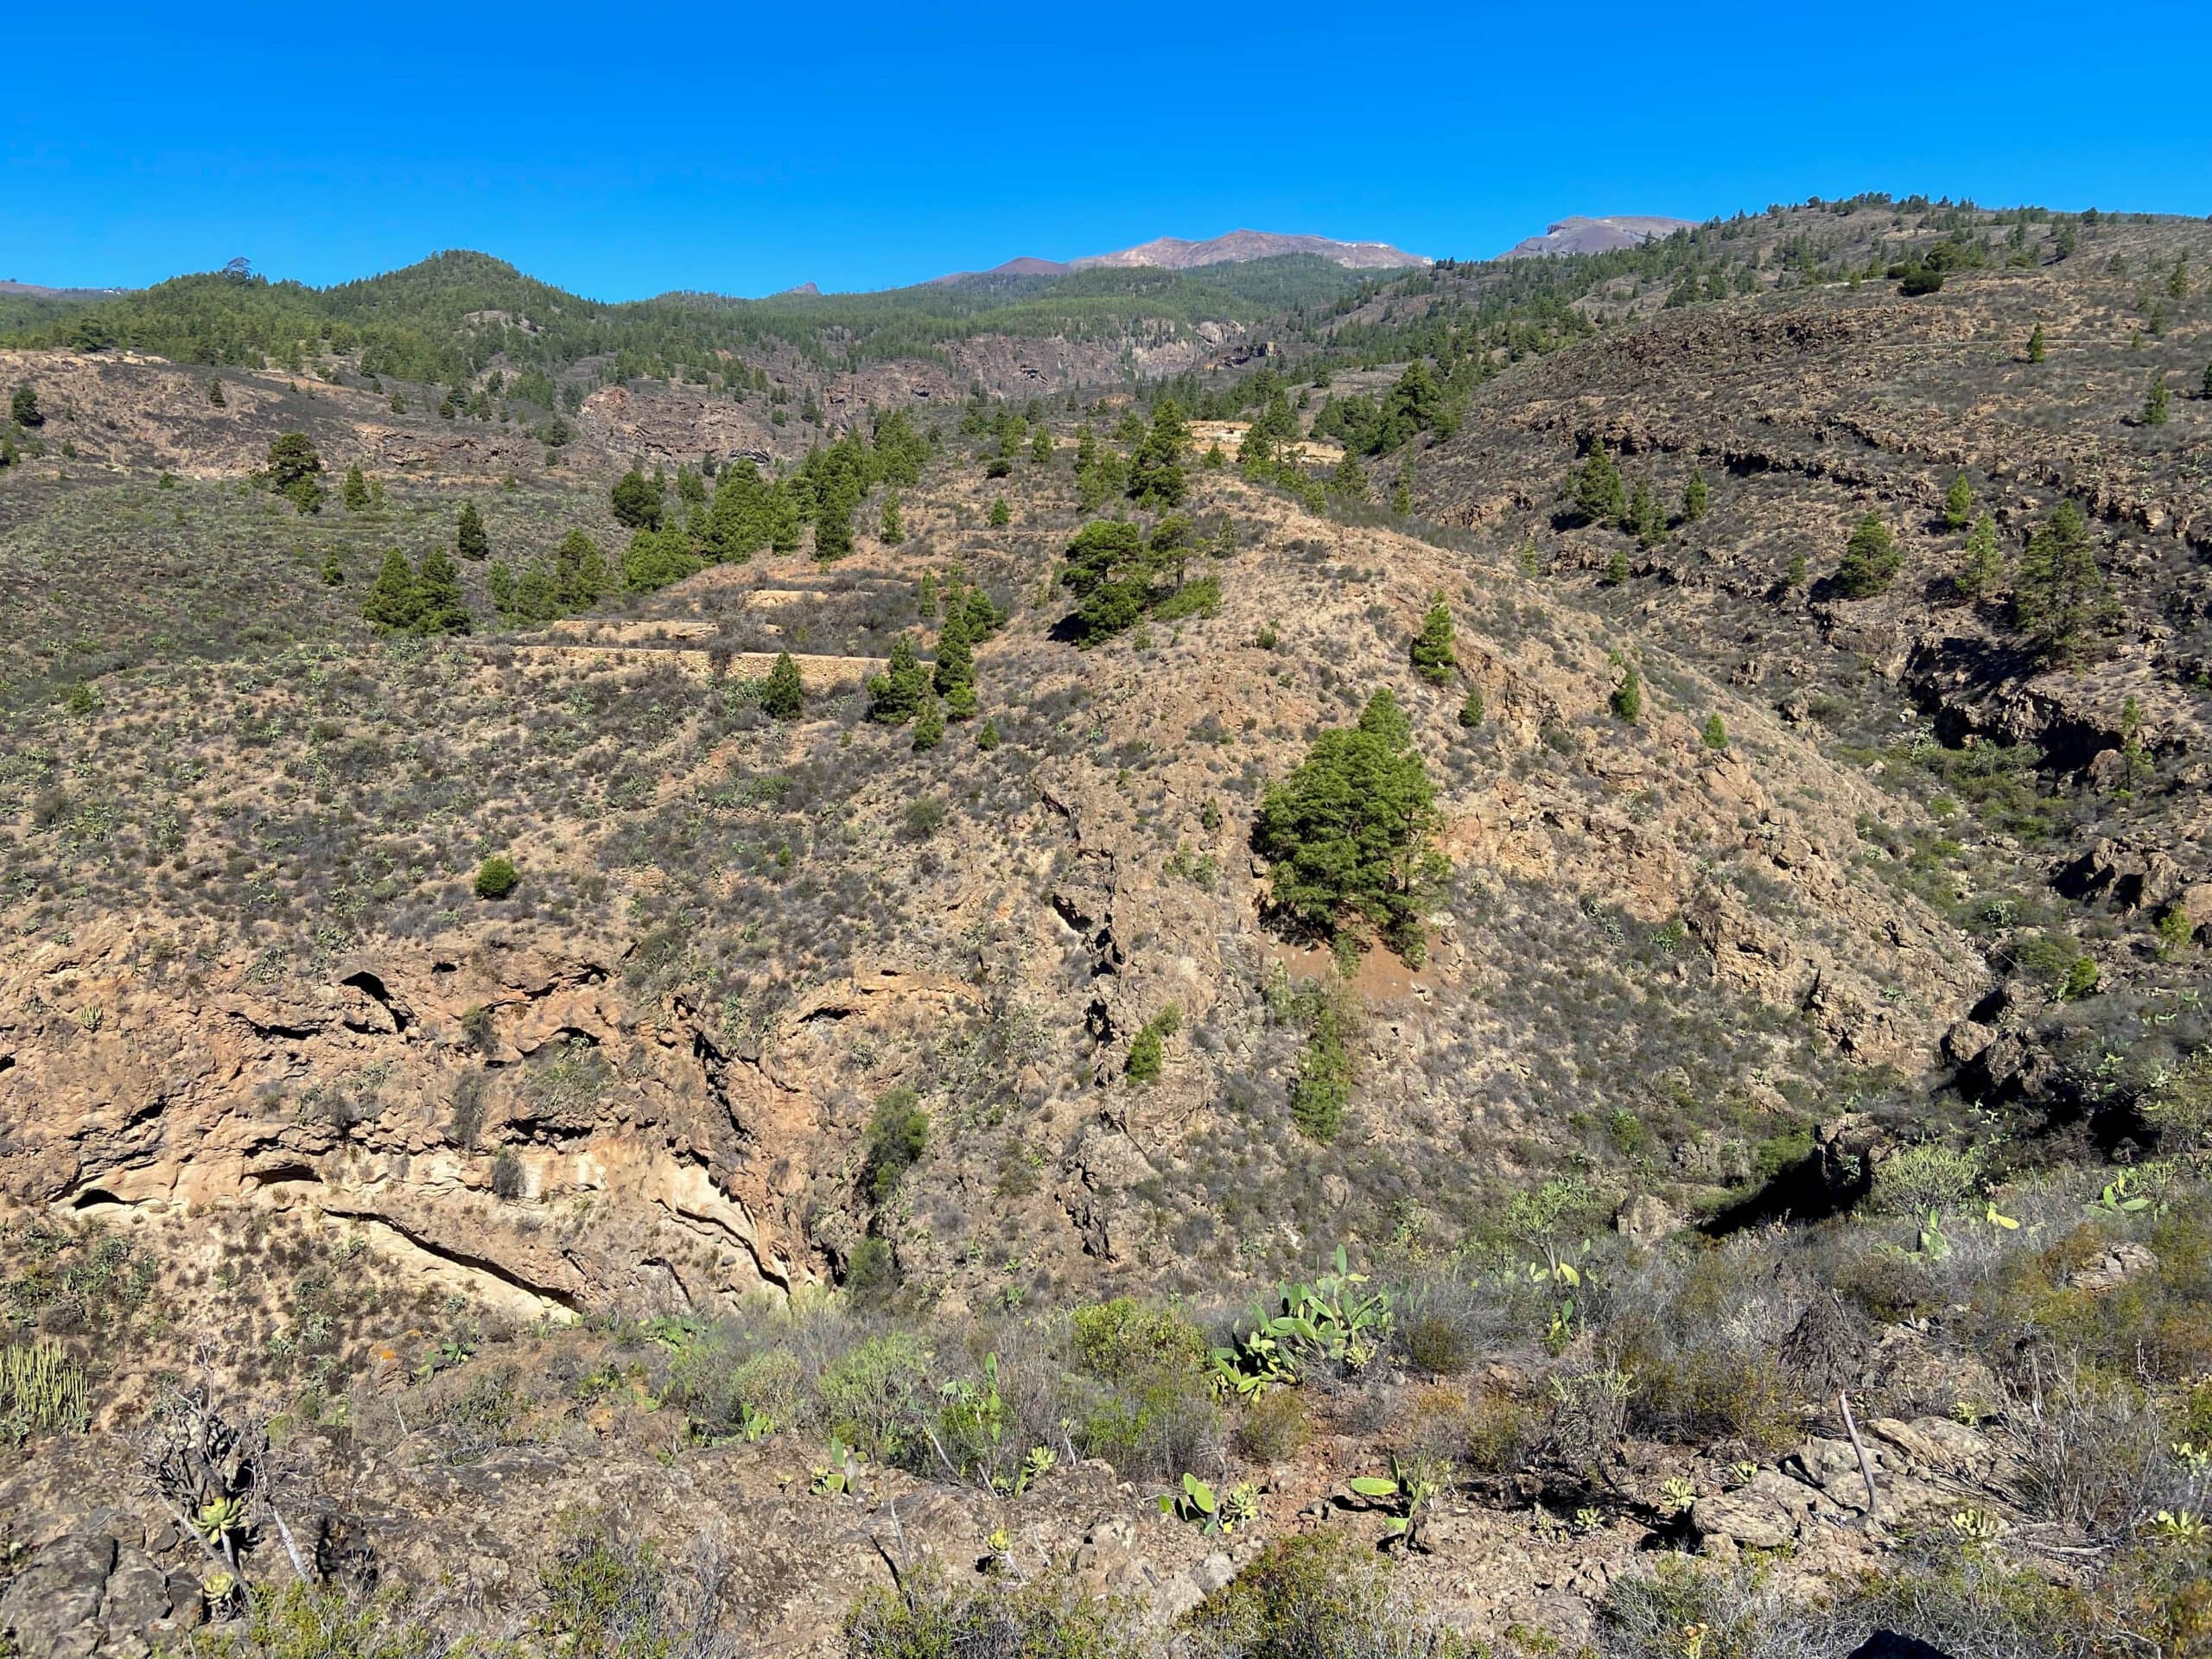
(1644, 1220)
(1831, 1468)
(1764, 1513)
(2115, 1267)
(52, 1609)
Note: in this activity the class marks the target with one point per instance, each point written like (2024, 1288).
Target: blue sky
(624, 151)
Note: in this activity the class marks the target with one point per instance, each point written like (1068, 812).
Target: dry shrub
(1275, 1428)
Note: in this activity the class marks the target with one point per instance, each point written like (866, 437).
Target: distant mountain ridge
(1579, 233)
(1238, 247)
(39, 291)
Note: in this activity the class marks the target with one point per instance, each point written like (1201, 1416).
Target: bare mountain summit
(1579, 234)
(1174, 253)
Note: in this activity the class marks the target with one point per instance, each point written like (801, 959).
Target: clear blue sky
(623, 152)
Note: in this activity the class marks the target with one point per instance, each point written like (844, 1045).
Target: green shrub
(304, 1621)
(1322, 1089)
(1148, 1049)
(871, 1268)
(1125, 1340)
(1046, 1618)
(1275, 1426)
(721, 1387)
(496, 877)
(871, 1396)
(1319, 1595)
(1437, 1346)
(897, 1132)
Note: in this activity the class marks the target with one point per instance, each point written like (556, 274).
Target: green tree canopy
(636, 501)
(294, 471)
(1350, 833)
(391, 605)
(444, 609)
(2061, 600)
(783, 694)
(1432, 656)
(1156, 476)
(1958, 503)
(1598, 497)
(469, 539)
(900, 690)
(1871, 559)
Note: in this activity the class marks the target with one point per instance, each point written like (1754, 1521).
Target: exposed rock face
(1578, 234)
(365, 1096)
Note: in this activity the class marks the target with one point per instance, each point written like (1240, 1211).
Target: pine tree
(783, 694)
(832, 527)
(581, 577)
(1349, 833)
(635, 501)
(1628, 696)
(442, 608)
(1645, 521)
(2059, 599)
(469, 537)
(953, 674)
(294, 471)
(1598, 495)
(398, 403)
(1402, 491)
(1694, 497)
(1958, 503)
(895, 694)
(354, 493)
(392, 605)
(893, 531)
(334, 574)
(988, 737)
(1156, 479)
(1433, 658)
(23, 410)
(1213, 461)
(1000, 515)
(1716, 731)
(1981, 571)
(1871, 559)
(215, 393)
(929, 726)
(1617, 568)
(1040, 447)
(1350, 481)
(2154, 406)
(2036, 351)
(1470, 710)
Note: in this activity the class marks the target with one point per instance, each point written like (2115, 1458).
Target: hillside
(1749, 1037)
(456, 316)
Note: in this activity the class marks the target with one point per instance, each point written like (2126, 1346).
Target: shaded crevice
(468, 1261)
(371, 987)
